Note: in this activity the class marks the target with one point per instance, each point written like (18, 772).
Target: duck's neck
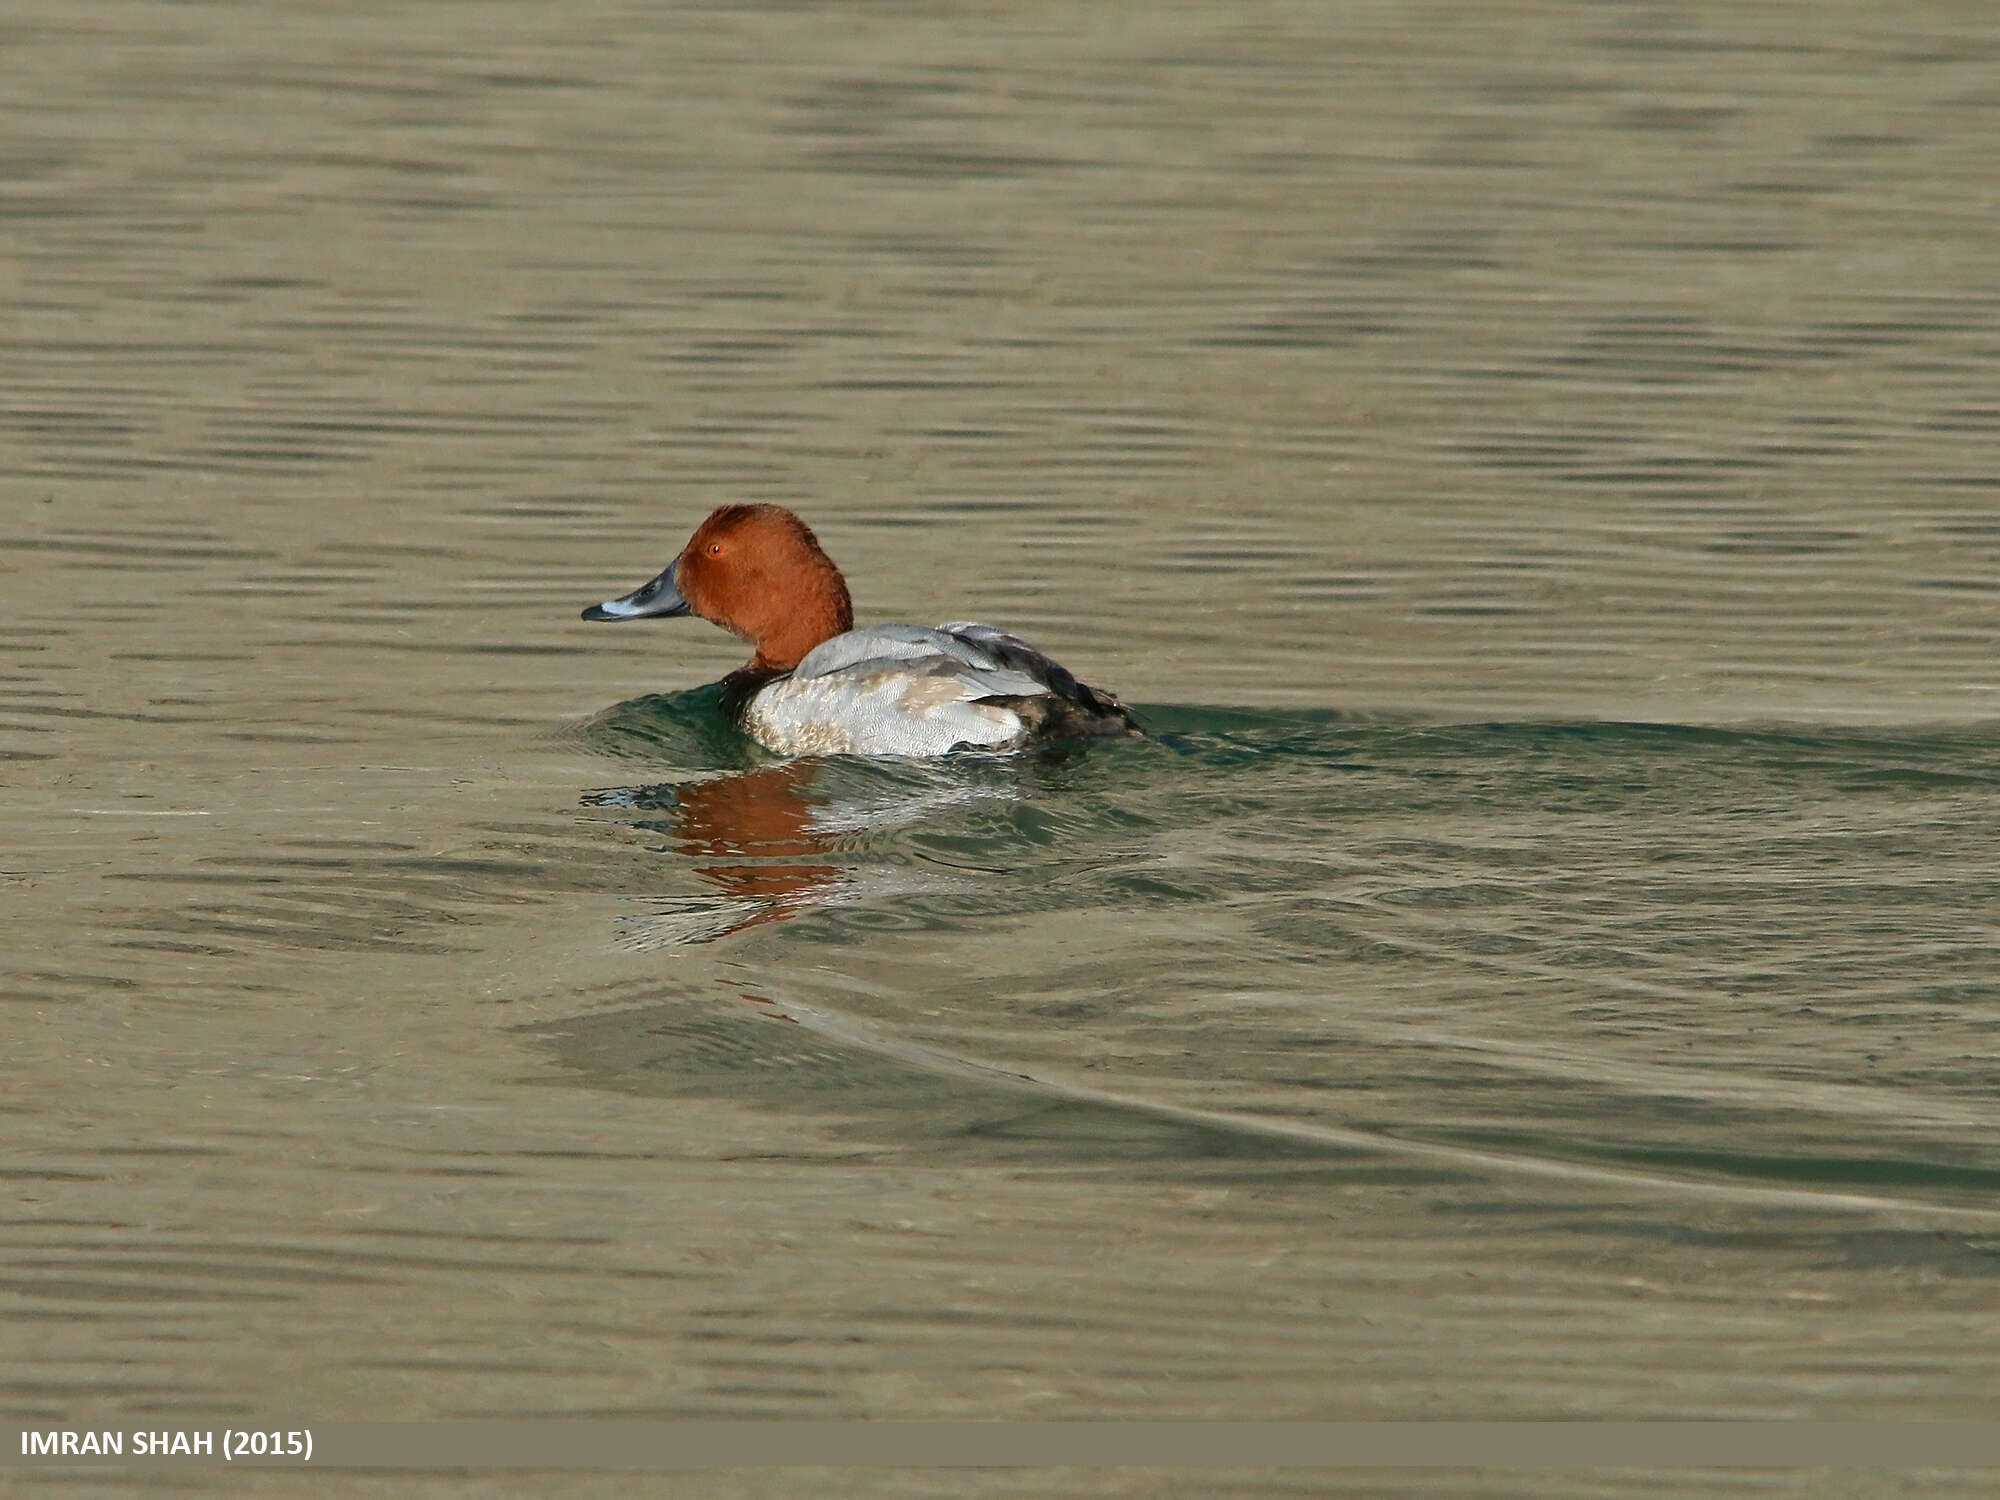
(818, 614)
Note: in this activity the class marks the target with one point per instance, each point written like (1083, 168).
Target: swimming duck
(818, 686)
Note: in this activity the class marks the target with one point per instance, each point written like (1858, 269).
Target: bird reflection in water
(757, 842)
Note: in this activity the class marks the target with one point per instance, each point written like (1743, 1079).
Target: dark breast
(739, 687)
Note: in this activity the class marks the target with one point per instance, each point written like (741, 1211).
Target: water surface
(1533, 470)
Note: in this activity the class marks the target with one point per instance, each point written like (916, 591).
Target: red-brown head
(758, 572)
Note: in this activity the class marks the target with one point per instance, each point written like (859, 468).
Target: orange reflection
(756, 830)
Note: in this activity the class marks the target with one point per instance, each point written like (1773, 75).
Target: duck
(815, 685)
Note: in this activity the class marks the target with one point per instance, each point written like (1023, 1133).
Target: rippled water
(1725, 958)
(1532, 468)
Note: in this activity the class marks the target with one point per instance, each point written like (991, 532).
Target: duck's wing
(1012, 653)
(921, 652)
(891, 690)
(964, 682)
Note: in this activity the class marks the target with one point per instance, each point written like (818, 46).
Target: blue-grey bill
(660, 596)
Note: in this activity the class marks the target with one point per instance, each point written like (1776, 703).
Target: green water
(1753, 957)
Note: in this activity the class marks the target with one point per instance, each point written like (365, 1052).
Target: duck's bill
(659, 597)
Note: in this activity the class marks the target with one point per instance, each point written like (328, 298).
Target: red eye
(715, 549)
